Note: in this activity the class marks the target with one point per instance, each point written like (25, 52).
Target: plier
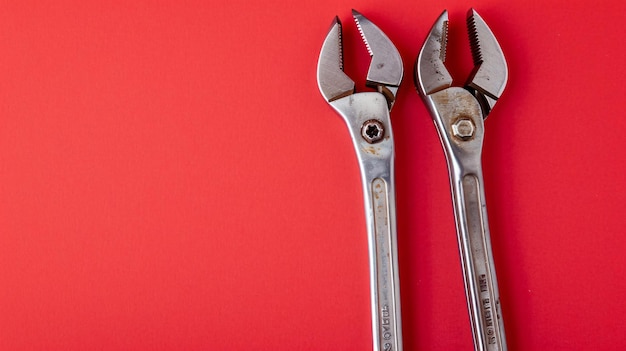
(459, 113)
(367, 116)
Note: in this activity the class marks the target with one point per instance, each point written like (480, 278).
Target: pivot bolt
(372, 131)
(463, 128)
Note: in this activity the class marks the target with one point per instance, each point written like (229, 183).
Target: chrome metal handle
(364, 113)
(481, 285)
(384, 287)
(459, 121)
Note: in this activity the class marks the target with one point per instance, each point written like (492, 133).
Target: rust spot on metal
(372, 150)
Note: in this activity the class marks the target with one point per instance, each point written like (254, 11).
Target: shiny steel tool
(459, 115)
(367, 117)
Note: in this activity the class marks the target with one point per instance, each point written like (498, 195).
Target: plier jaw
(385, 70)
(331, 80)
(490, 73)
(430, 73)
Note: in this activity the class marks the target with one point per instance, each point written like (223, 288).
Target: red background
(171, 178)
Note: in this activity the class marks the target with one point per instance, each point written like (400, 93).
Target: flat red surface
(171, 178)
